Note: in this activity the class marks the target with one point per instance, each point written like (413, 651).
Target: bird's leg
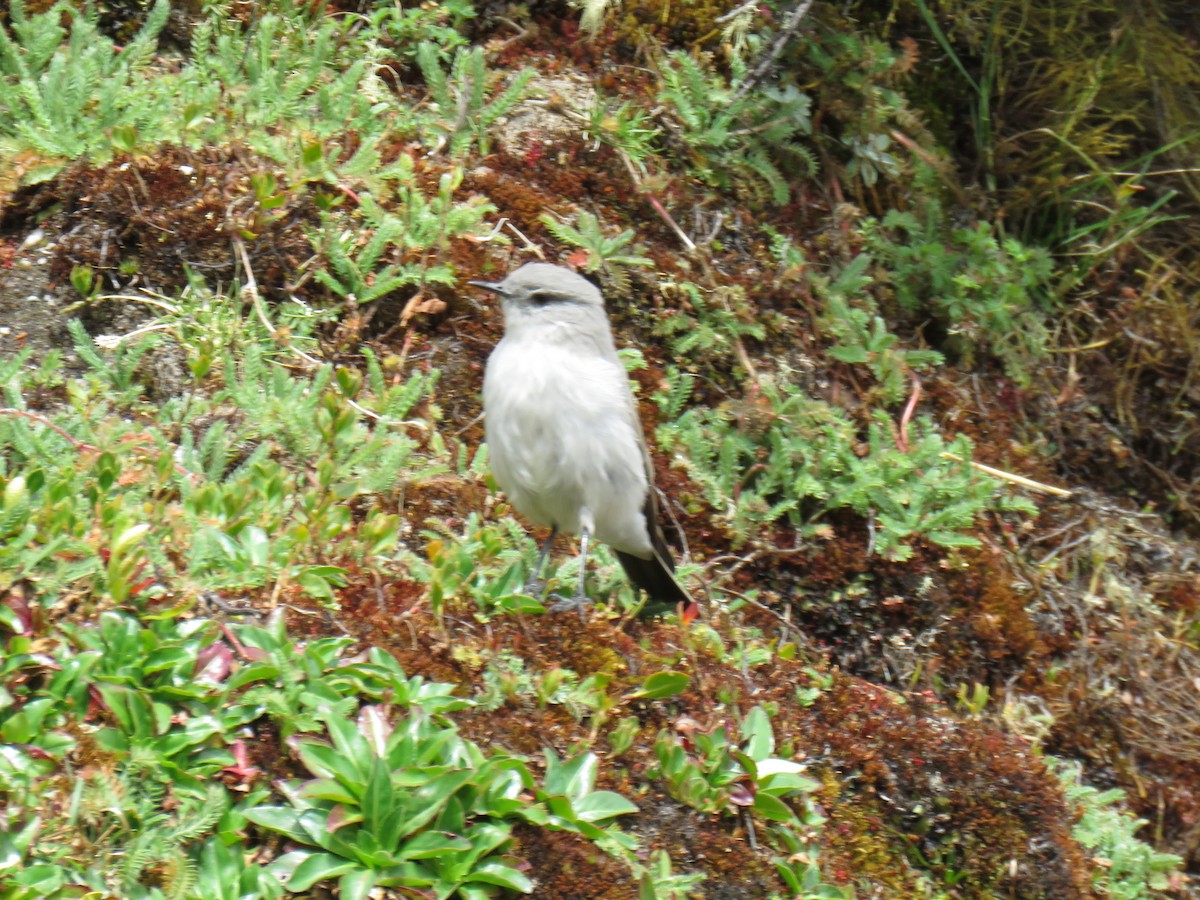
(579, 601)
(534, 586)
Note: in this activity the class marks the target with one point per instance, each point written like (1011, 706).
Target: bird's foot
(534, 588)
(567, 604)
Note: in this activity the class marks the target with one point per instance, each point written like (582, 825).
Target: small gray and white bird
(563, 432)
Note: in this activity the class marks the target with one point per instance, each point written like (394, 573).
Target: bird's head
(544, 286)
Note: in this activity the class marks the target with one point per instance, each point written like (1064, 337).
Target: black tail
(655, 575)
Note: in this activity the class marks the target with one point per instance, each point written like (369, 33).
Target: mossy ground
(917, 792)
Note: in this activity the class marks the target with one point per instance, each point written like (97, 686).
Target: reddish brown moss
(959, 800)
(564, 865)
(179, 206)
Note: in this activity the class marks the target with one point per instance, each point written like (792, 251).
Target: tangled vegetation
(912, 292)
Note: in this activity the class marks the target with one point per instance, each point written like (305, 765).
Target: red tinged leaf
(32, 750)
(337, 818)
(22, 613)
(241, 771)
(741, 795)
(96, 705)
(141, 586)
(214, 663)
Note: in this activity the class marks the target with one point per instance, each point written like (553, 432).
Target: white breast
(564, 440)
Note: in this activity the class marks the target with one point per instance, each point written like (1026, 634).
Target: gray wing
(655, 575)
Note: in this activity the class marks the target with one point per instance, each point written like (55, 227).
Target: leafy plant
(485, 562)
(987, 293)
(175, 700)
(408, 28)
(790, 459)
(710, 324)
(136, 815)
(627, 127)
(241, 80)
(421, 225)
(712, 772)
(603, 254)
(571, 801)
(73, 94)
(107, 502)
(464, 113)
(1126, 866)
(223, 873)
(736, 139)
(862, 337)
(406, 804)
(660, 882)
(871, 158)
(800, 870)
(76, 95)
(504, 680)
(858, 80)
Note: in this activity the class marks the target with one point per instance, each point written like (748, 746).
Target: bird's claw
(567, 604)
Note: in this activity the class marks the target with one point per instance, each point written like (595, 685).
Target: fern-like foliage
(861, 336)
(421, 225)
(138, 830)
(708, 324)
(72, 94)
(783, 459)
(353, 263)
(627, 127)
(990, 294)
(465, 114)
(607, 255)
(241, 81)
(744, 142)
(119, 368)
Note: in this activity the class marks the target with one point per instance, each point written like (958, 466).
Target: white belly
(565, 444)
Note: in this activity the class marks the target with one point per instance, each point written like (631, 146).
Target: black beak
(494, 286)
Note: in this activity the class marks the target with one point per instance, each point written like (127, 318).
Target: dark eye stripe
(541, 298)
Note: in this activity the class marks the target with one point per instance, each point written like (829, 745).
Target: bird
(563, 433)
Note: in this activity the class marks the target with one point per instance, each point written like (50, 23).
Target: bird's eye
(541, 298)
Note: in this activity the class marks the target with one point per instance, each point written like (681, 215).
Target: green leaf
(130, 538)
(856, 354)
(328, 789)
(318, 866)
(432, 844)
(45, 880)
(428, 800)
(379, 800)
(599, 806)
(771, 807)
(663, 684)
(283, 819)
(193, 115)
(757, 735)
(572, 778)
(520, 604)
(497, 873)
(350, 742)
(328, 762)
(357, 885)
